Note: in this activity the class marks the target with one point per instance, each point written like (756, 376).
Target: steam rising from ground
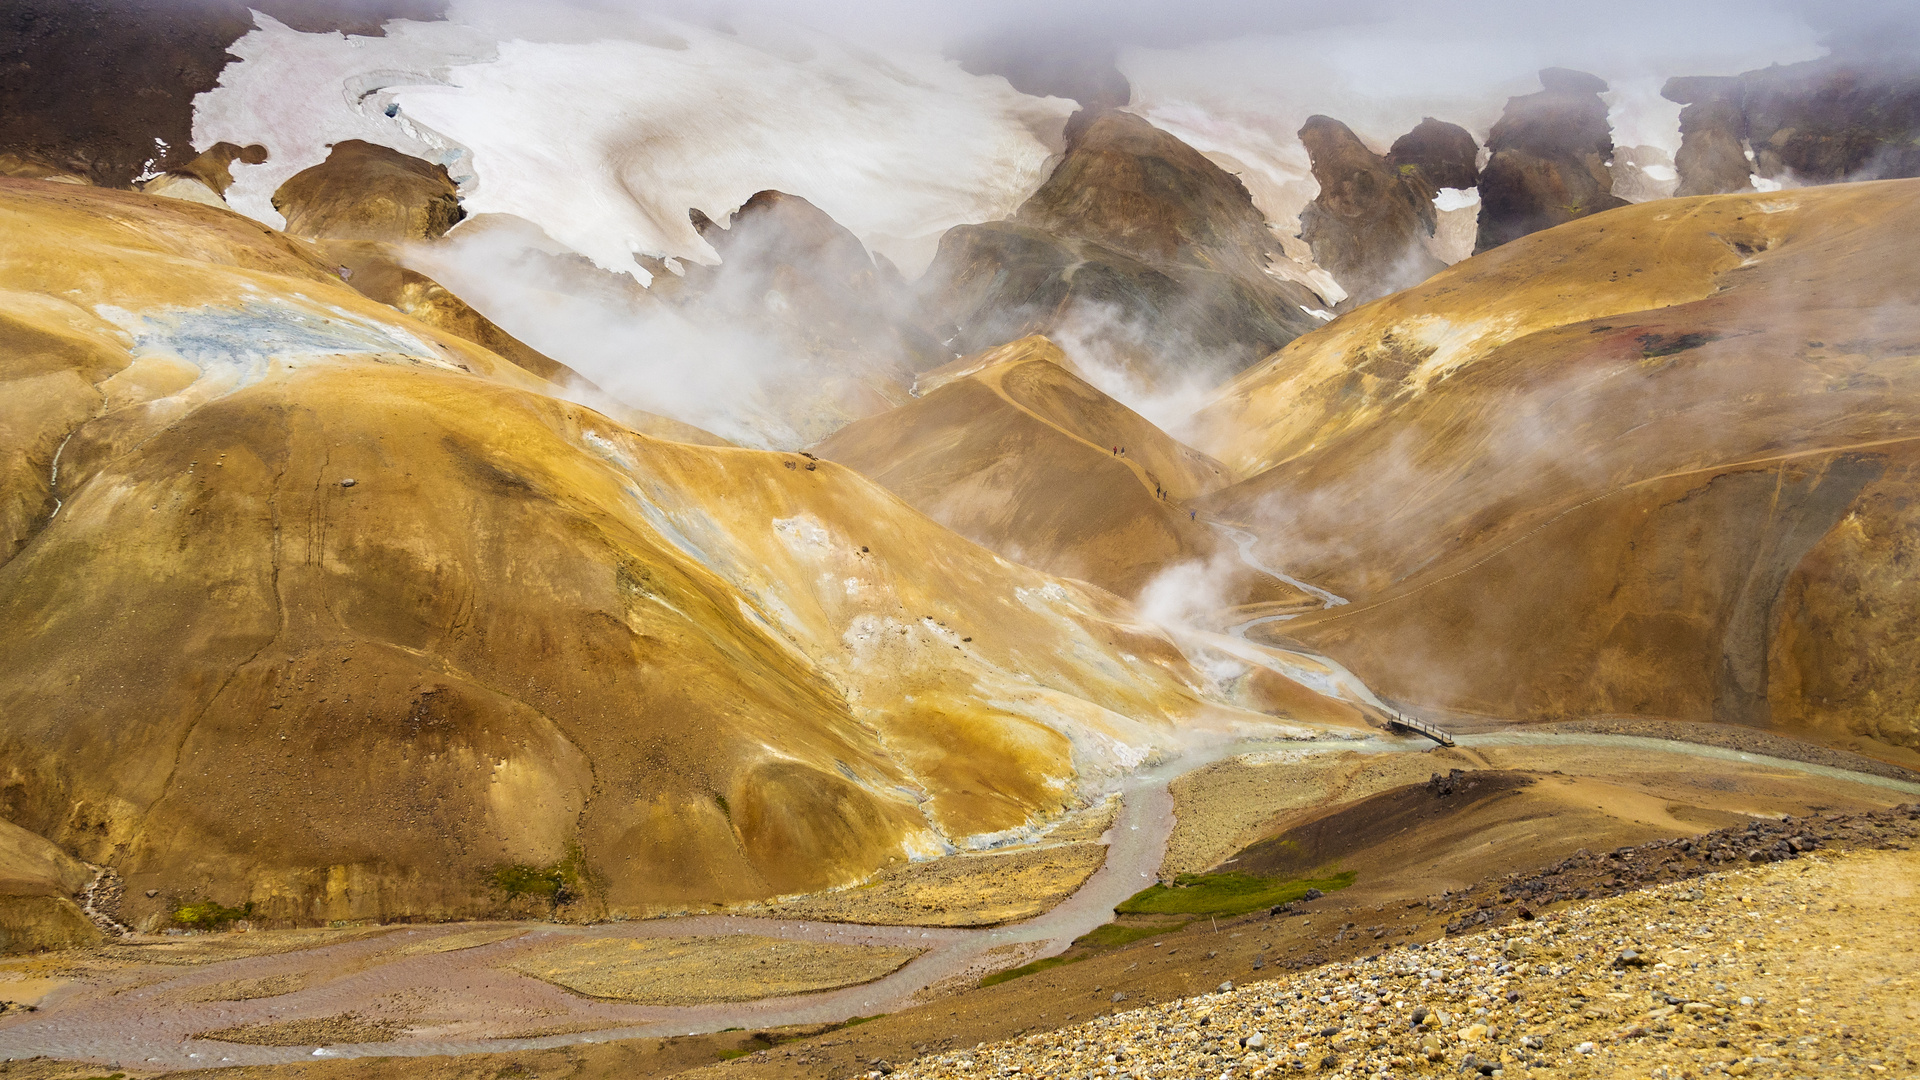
(640, 350)
(603, 123)
(1157, 373)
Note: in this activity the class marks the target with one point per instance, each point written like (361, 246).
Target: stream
(154, 1025)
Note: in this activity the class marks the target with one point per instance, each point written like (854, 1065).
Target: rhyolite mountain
(1656, 462)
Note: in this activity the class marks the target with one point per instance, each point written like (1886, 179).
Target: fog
(599, 124)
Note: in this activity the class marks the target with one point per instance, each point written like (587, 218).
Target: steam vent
(833, 541)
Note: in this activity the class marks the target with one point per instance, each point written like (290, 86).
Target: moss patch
(209, 914)
(1225, 894)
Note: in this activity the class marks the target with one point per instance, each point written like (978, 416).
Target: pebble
(1448, 1008)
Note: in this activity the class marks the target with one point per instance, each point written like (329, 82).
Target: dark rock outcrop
(1368, 225)
(364, 191)
(1831, 120)
(1839, 118)
(1442, 154)
(1712, 159)
(1134, 231)
(1550, 159)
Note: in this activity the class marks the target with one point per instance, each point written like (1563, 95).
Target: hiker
(1193, 515)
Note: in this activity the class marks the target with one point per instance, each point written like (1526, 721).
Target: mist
(597, 125)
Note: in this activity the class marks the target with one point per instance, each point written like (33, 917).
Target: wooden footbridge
(1401, 721)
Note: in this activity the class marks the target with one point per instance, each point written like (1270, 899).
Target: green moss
(558, 883)
(729, 1055)
(1114, 935)
(853, 1021)
(209, 914)
(1225, 894)
(521, 880)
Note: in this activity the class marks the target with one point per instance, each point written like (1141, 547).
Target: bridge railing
(1438, 735)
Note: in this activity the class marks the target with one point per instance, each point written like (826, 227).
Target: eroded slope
(329, 611)
(1012, 450)
(1657, 462)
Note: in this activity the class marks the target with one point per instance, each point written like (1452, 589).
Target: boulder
(1368, 225)
(1550, 159)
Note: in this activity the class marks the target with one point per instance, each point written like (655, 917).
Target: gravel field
(1804, 966)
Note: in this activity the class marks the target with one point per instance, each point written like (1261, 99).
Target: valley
(750, 540)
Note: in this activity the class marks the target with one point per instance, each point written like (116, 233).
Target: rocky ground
(702, 970)
(1797, 967)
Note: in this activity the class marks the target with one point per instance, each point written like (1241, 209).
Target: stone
(1712, 158)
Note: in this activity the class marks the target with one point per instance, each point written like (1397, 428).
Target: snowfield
(606, 143)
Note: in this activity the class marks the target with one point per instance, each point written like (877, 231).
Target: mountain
(1012, 450)
(1655, 461)
(1135, 241)
(364, 191)
(311, 605)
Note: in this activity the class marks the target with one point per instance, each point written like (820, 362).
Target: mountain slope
(1658, 461)
(1012, 450)
(309, 605)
